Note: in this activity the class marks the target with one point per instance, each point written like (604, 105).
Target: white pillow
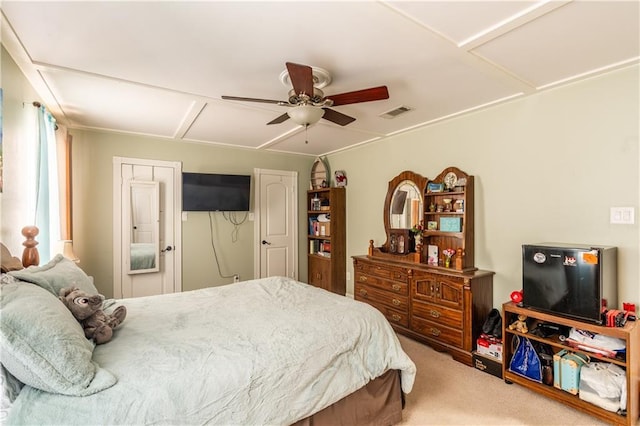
(59, 273)
(44, 346)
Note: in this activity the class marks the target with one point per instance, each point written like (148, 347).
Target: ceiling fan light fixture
(305, 114)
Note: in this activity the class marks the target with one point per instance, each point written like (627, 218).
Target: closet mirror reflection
(144, 244)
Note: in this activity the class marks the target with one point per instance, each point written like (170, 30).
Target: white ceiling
(160, 68)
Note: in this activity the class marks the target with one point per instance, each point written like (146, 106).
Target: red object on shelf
(516, 296)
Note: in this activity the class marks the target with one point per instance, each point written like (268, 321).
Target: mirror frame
(407, 175)
(155, 219)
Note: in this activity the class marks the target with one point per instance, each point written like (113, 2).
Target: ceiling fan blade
(278, 120)
(337, 117)
(301, 77)
(365, 95)
(265, 101)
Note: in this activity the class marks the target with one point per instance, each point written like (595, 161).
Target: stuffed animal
(520, 324)
(97, 325)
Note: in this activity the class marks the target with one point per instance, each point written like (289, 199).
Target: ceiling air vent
(395, 112)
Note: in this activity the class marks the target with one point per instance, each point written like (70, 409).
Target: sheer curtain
(47, 212)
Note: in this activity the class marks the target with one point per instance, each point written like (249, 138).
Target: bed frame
(30, 255)
(379, 402)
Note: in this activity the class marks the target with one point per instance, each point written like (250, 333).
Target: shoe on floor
(492, 320)
(497, 330)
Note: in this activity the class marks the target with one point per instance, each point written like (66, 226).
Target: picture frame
(435, 187)
(341, 178)
(450, 224)
(432, 225)
(432, 255)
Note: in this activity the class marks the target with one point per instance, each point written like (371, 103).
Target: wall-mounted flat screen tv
(210, 192)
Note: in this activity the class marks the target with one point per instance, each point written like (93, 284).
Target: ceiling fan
(307, 102)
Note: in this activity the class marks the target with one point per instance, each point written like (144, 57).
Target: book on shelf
(314, 227)
(320, 248)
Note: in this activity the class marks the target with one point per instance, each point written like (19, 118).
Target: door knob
(169, 248)
(265, 242)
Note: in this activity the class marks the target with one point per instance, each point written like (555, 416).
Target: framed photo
(432, 255)
(432, 225)
(450, 224)
(435, 187)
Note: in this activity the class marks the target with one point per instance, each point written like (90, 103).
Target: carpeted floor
(447, 392)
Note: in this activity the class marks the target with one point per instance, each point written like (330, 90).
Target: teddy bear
(520, 324)
(87, 309)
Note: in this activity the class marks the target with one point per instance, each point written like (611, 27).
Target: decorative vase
(447, 262)
(418, 239)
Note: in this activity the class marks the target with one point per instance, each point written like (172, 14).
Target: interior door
(276, 225)
(168, 276)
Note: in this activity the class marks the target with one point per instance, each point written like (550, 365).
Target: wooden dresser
(444, 309)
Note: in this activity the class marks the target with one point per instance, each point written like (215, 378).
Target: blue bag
(525, 361)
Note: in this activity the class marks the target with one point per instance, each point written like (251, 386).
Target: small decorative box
(451, 224)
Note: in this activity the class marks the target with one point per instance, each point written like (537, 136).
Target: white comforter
(269, 351)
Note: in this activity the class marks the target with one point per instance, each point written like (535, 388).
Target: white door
(276, 223)
(168, 277)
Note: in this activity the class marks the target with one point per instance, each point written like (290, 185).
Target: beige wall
(547, 168)
(93, 154)
(18, 117)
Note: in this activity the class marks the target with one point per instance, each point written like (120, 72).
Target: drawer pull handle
(396, 302)
(435, 332)
(395, 317)
(435, 314)
(396, 287)
(363, 278)
(363, 293)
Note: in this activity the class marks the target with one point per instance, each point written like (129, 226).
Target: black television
(210, 192)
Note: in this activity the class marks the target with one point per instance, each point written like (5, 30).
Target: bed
(268, 351)
(143, 256)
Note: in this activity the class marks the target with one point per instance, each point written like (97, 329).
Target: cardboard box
(486, 347)
(488, 364)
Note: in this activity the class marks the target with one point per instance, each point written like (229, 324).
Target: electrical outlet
(622, 215)
(236, 278)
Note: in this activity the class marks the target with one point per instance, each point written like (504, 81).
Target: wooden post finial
(30, 255)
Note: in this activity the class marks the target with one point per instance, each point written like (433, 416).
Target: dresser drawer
(441, 333)
(392, 315)
(438, 314)
(377, 296)
(384, 284)
(382, 271)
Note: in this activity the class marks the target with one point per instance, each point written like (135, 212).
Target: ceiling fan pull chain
(306, 127)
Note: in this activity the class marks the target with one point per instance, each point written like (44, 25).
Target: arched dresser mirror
(403, 209)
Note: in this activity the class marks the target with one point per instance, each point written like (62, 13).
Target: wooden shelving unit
(453, 202)
(630, 333)
(327, 242)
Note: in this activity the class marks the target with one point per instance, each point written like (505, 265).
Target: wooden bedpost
(30, 255)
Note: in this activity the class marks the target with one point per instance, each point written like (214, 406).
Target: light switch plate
(622, 215)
